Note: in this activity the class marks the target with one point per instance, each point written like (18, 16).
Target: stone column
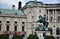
(55, 16)
(53, 20)
(48, 16)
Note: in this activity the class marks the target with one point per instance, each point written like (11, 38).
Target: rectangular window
(15, 28)
(0, 27)
(50, 29)
(58, 11)
(51, 12)
(22, 28)
(58, 31)
(7, 28)
(59, 19)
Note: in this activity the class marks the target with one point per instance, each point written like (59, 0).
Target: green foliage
(49, 37)
(17, 37)
(32, 37)
(2, 36)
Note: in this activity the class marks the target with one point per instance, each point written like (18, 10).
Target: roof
(41, 4)
(41, 28)
(10, 12)
(32, 3)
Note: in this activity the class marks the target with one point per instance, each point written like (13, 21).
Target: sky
(7, 4)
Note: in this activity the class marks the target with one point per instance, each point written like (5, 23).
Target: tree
(17, 37)
(32, 37)
(49, 37)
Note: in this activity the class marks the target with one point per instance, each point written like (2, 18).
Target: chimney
(13, 7)
(19, 5)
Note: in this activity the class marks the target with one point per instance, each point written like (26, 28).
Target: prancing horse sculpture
(43, 20)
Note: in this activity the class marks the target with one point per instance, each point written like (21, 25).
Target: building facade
(24, 20)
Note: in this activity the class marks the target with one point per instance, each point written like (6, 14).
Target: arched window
(15, 28)
(44, 34)
(23, 28)
(57, 31)
(50, 29)
(7, 27)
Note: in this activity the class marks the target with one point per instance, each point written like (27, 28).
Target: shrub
(17, 37)
(2, 36)
(49, 37)
(32, 37)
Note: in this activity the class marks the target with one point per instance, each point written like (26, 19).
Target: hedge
(17, 37)
(49, 37)
(2, 36)
(32, 37)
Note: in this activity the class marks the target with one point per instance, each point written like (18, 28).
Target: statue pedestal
(10, 36)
